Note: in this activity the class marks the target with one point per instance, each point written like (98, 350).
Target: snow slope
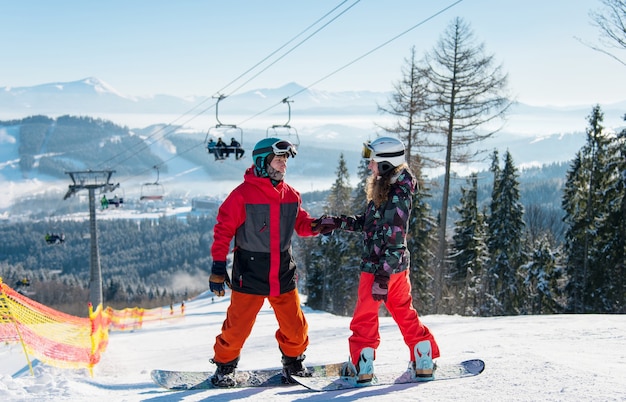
(528, 358)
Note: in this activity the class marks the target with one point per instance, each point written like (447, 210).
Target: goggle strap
(262, 150)
(390, 154)
(290, 150)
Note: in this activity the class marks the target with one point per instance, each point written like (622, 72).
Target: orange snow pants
(292, 333)
(364, 324)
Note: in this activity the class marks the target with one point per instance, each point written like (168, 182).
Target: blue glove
(380, 288)
(218, 277)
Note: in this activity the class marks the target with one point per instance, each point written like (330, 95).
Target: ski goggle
(278, 148)
(283, 148)
(367, 150)
(369, 153)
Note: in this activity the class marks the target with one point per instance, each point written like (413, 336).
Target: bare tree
(465, 93)
(407, 105)
(611, 21)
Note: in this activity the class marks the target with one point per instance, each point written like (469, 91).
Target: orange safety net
(134, 318)
(63, 340)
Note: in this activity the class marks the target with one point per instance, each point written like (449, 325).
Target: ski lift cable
(165, 161)
(288, 42)
(145, 145)
(355, 60)
(378, 47)
(422, 22)
(331, 73)
(295, 46)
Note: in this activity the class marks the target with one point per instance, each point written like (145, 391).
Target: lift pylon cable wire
(236, 79)
(329, 74)
(294, 48)
(422, 22)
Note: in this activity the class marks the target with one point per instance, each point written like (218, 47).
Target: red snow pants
(292, 333)
(364, 324)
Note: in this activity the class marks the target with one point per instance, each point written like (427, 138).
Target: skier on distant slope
(384, 268)
(261, 214)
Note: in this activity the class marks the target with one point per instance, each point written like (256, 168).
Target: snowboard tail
(191, 380)
(445, 371)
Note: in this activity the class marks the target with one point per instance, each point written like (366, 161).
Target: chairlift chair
(152, 191)
(55, 238)
(54, 235)
(116, 200)
(224, 131)
(284, 131)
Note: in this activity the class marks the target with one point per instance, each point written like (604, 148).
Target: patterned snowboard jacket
(384, 228)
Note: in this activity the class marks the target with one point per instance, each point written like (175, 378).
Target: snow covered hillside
(528, 358)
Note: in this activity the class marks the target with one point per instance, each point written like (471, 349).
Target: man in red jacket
(261, 214)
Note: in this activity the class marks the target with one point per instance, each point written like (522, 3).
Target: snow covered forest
(503, 258)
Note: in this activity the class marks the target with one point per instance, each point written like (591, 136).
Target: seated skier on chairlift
(213, 149)
(117, 201)
(235, 147)
(221, 148)
(55, 238)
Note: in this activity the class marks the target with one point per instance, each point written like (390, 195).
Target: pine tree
(541, 276)
(506, 226)
(470, 250)
(593, 204)
(573, 200)
(619, 218)
(332, 274)
(340, 192)
(610, 240)
(420, 238)
(359, 195)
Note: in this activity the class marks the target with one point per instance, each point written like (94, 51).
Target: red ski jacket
(262, 219)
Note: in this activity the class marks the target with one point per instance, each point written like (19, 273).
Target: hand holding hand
(326, 224)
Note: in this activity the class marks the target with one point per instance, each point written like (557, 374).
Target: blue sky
(198, 47)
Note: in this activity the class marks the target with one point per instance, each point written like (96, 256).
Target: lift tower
(92, 180)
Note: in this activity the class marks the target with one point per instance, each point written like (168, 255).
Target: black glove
(380, 288)
(326, 224)
(218, 277)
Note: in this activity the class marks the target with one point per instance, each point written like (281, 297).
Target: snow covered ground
(528, 358)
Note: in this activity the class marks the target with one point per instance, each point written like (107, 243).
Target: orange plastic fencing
(63, 340)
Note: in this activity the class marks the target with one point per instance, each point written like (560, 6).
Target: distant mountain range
(326, 124)
(93, 96)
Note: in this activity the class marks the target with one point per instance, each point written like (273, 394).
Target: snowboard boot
(292, 366)
(224, 375)
(364, 373)
(423, 368)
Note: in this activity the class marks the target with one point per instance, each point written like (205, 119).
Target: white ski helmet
(388, 152)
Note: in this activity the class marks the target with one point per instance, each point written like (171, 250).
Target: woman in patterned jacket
(384, 268)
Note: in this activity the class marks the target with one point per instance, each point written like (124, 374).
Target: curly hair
(378, 186)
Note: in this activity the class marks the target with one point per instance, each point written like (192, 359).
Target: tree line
(151, 262)
(145, 263)
(504, 257)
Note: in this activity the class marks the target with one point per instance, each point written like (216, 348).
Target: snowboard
(444, 371)
(190, 380)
